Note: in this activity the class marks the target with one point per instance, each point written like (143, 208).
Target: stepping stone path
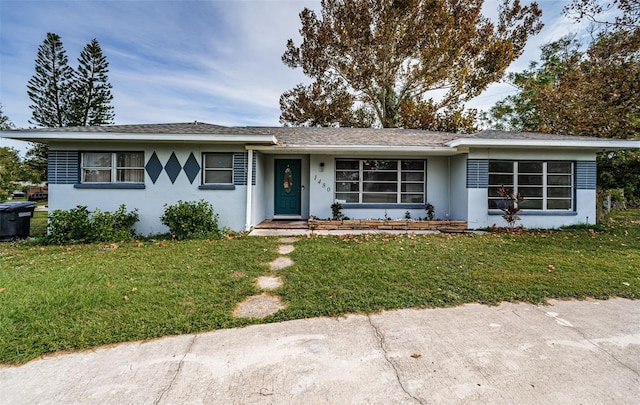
(280, 263)
(285, 249)
(258, 306)
(269, 282)
(263, 305)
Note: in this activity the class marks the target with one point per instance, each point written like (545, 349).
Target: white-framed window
(544, 185)
(112, 167)
(375, 181)
(217, 168)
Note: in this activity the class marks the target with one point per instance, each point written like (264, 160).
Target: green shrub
(80, 225)
(430, 211)
(67, 226)
(113, 226)
(191, 220)
(336, 211)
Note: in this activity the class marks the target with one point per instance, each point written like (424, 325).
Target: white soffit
(356, 149)
(604, 144)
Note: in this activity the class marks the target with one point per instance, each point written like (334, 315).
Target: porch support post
(247, 223)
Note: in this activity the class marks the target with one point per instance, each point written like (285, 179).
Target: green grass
(38, 225)
(82, 296)
(75, 297)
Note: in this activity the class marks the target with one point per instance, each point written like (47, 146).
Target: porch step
(283, 224)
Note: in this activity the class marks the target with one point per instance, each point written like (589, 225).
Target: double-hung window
(112, 167)
(217, 168)
(544, 185)
(369, 181)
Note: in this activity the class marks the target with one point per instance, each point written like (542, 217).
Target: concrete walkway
(571, 352)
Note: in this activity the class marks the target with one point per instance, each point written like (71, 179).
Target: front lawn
(75, 297)
(38, 224)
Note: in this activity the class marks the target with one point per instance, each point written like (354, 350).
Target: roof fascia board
(511, 143)
(136, 137)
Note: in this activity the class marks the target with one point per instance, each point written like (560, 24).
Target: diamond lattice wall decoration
(154, 167)
(191, 168)
(173, 167)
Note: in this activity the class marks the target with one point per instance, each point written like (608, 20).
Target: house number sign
(322, 183)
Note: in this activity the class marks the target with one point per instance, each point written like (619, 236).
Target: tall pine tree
(5, 122)
(91, 91)
(48, 89)
(63, 97)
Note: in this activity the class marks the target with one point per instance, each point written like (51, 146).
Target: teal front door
(287, 187)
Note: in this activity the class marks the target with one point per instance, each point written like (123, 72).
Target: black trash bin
(15, 219)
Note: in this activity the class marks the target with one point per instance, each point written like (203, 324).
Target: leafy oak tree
(529, 108)
(592, 92)
(6, 159)
(10, 165)
(10, 171)
(626, 13)
(375, 61)
(36, 162)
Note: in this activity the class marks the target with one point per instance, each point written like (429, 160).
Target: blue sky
(185, 60)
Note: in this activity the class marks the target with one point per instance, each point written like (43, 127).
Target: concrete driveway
(571, 352)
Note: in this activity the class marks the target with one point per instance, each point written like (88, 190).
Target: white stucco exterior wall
(445, 188)
(459, 196)
(321, 185)
(585, 200)
(150, 201)
(438, 187)
(585, 213)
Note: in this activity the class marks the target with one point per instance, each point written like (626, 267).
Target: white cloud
(175, 61)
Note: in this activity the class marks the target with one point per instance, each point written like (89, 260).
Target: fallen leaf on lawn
(134, 289)
(126, 298)
(265, 392)
(416, 355)
(2, 290)
(551, 268)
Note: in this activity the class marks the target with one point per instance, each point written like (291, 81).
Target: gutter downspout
(449, 188)
(247, 223)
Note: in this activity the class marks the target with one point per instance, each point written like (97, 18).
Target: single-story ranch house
(250, 174)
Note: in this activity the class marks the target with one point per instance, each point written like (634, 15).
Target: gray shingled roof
(313, 137)
(301, 136)
(530, 136)
(286, 136)
(177, 128)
